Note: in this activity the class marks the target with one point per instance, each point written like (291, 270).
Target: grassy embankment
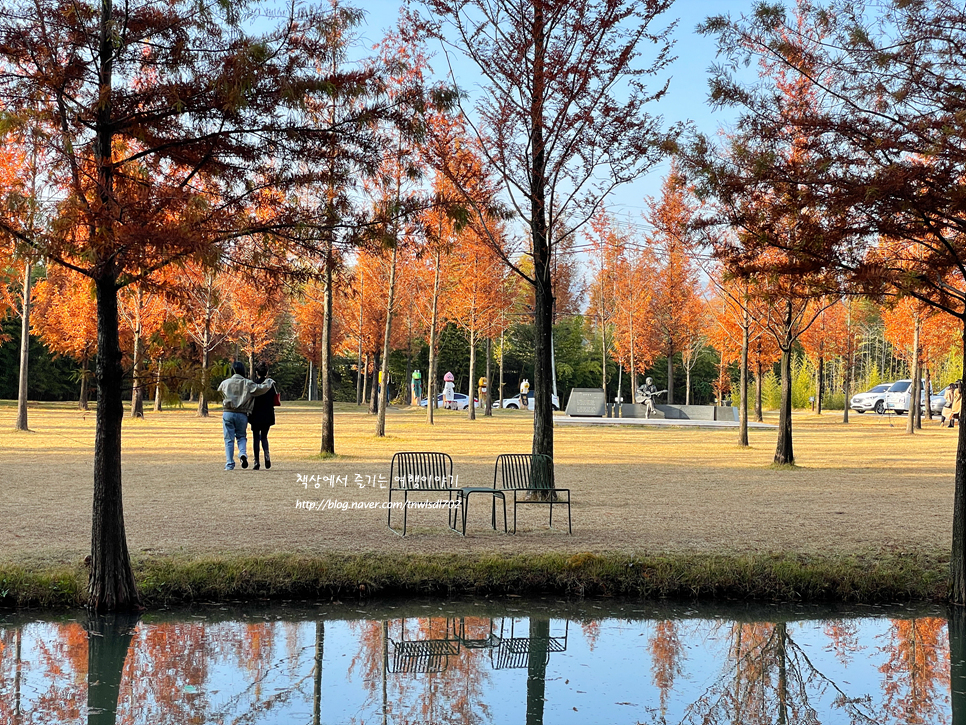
(657, 513)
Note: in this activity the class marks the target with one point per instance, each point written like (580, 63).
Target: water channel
(487, 661)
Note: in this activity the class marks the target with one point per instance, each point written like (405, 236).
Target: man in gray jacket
(239, 395)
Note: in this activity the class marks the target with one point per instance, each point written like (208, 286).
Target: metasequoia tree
(677, 308)
(141, 313)
(607, 246)
(562, 120)
(159, 122)
(65, 319)
(209, 318)
(889, 149)
(259, 313)
(478, 300)
(824, 341)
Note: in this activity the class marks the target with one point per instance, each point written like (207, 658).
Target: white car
(871, 399)
(514, 402)
(897, 397)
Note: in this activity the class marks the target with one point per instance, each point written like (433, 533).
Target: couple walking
(245, 401)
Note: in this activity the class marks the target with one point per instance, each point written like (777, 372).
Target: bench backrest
(523, 471)
(421, 471)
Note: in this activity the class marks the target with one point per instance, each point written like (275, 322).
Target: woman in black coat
(262, 416)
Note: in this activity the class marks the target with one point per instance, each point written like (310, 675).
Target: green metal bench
(421, 472)
(526, 474)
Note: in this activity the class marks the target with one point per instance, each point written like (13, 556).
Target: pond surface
(509, 661)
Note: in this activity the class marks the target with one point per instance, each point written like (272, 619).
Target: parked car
(514, 402)
(937, 401)
(461, 399)
(871, 399)
(897, 397)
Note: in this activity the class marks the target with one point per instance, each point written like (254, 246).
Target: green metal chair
(524, 474)
(412, 472)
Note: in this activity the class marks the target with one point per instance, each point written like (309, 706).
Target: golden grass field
(859, 488)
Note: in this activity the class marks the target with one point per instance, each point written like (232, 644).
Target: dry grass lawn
(859, 488)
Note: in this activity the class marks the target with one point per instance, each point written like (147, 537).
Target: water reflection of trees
(768, 678)
(102, 672)
(446, 688)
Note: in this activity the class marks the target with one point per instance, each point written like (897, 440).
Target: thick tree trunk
(433, 324)
(743, 385)
(111, 586)
(957, 559)
(83, 403)
(387, 335)
(327, 447)
(541, 247)
(471, 415)
(783, 451)
(24, 349)
(137, 391)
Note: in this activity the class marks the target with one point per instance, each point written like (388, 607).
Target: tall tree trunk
(759, 417)
(633, 385)
(849, 365)
(374, 385)
(784, 453)
(327, 447)
(488, 409)
(471, 415)
(928, 411)
(957, 559)
(205, 362)
(111, 585)
(914, 420)
(670, 374)
(433, 323)
(743, 384)
(687, 384)
(820, 384)
(24, 348)
(501, 369)
(157, 389)
(365, 379)
(82, 402)
(137, 391)
(387, 333)
(363, 369)
(541, 248)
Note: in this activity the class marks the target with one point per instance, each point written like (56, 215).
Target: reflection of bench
(514, 652)
(528, 474)
(414, 472)
(418, 655)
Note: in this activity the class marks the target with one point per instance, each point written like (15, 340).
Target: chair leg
(570, 529)
(551, 513)
(405, 510)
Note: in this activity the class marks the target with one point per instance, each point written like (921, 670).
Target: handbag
(276, 399)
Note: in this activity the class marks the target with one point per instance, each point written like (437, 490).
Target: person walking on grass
(238, 393)
(262, 416)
